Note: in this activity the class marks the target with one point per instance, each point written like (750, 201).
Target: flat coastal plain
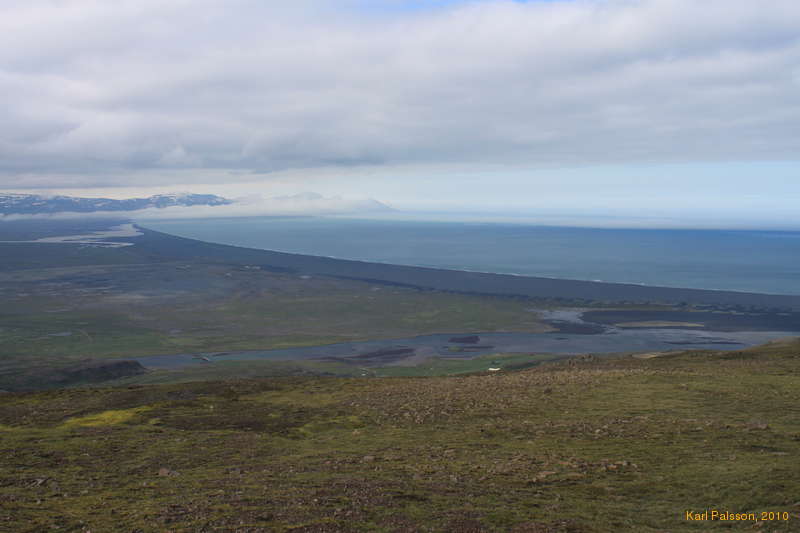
(76, 310)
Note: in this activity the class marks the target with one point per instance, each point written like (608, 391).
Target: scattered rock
(469, 339)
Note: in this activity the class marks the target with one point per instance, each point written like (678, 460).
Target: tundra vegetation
(584, 445)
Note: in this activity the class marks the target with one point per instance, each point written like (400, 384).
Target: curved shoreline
(515, 274)
(182, 248)
(733, 261)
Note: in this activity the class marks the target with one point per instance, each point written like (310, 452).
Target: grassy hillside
(587, 445)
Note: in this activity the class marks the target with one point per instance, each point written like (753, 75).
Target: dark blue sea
(755, 261)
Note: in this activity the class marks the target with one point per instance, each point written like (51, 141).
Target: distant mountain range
(33, 204)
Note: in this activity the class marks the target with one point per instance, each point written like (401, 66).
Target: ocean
(752, 261)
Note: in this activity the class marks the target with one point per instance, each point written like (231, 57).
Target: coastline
(720, 260)
(509, 285)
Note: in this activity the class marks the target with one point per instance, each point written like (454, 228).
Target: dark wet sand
(765, 321)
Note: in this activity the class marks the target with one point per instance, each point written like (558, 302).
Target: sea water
(754, 261)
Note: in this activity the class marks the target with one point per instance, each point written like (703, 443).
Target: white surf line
(95, 238)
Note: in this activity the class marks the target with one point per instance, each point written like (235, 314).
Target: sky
(675, 109)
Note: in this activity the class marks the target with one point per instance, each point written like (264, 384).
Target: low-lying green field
(56, 317)
(620, 444)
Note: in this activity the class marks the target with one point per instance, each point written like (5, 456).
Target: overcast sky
(674, 106)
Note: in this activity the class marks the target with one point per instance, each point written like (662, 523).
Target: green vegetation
(536, 444)
(620, 444)
(106, 418)
(59, 316)
(433, 366)
(437, 366)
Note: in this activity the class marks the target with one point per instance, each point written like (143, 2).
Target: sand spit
(96, 238)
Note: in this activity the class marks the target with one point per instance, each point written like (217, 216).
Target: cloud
(307, 203)
(97, 92)
(302, 204)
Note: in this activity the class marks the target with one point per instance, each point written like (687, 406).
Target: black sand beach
(179, 248)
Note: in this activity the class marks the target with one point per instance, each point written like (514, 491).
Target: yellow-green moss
(622, 444)
(106, 418)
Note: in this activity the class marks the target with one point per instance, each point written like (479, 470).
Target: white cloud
(97, 93)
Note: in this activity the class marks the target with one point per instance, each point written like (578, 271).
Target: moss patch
(577, 446)
(106, 418)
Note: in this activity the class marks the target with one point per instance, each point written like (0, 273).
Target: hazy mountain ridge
(34, 204)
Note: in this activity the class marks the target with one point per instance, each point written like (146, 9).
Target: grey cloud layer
(93, 90)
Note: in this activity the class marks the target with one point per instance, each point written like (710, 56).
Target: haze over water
(754, 261)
